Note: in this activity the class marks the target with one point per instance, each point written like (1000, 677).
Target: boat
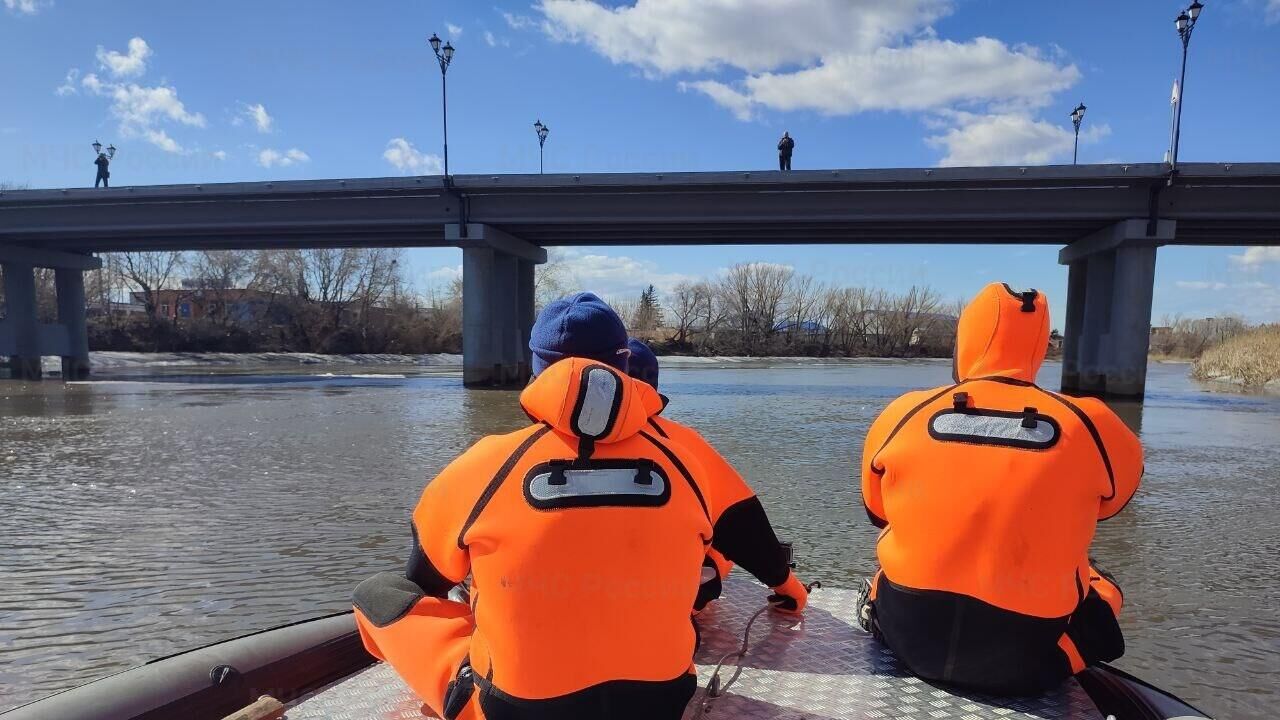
(821, 666)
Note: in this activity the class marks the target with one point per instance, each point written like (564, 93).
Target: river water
(142, 514)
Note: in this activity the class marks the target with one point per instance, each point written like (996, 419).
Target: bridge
(1108, 219)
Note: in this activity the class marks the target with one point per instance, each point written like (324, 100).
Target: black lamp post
(444, 56)
(542, 131)
(1186, 23)
(103, 161)
(1077, 116)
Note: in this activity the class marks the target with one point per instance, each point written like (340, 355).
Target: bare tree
(625, 307)
(150, 272)
(552, 280)
(754, 293)
(683, 306)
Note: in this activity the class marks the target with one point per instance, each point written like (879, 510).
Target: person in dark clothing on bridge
(785, 146)
(103, 173)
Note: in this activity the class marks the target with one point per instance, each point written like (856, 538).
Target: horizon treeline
(359, 300)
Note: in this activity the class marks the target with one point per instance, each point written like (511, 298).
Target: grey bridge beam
(497, 304)
(1108, 323)
(24, 340)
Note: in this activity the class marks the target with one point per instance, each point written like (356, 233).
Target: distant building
(807, 327)
(97, 308)
(240, 305)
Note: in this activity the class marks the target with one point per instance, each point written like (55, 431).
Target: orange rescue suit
(584, 535)
(988, 492)
(743, 533)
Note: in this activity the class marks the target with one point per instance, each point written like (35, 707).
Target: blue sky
(234, 90)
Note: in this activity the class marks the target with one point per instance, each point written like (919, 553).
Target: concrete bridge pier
(497, 304)
(1108, 320)
(23, 338)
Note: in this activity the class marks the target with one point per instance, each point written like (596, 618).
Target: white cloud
(927, 75)
(161, 139)
(270, 158)
(444, 275)
(1200, 285)
(666, 36)
(219, 154)
(519, 22)
(68, 86)
(141, 109)
(404, 157)
(610, 275)
(23, 7)
(454, 30)
(494, 40)
(1272, 11)
(834, 57)
(1005, 139)
(735, 102)
(130, 64)
(1218, 285)
(257, 114)
(1255, 257)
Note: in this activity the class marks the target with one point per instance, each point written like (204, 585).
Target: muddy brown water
(148, 512)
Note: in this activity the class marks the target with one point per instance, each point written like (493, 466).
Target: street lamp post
(542, 131)
(1186, 23)
(1077, 116)
(444, 56)
(103, 161)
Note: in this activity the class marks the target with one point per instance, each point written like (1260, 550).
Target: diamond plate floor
(819, 668)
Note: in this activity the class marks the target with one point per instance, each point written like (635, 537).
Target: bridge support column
(497, 304)
(1108, 319)
(24, 340)
(69, 285)
(19, 330)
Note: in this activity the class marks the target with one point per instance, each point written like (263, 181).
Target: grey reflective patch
(597, 402)
(596, 483)
(994, 427)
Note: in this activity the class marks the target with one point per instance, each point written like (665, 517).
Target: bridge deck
(1213, 204)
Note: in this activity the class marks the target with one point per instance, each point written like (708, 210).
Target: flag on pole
(1173, 97)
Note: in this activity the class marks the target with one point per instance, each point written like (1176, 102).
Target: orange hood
(588, 399)
(1002, 332)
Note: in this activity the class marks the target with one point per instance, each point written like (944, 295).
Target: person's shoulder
(678, 430)
(497, 448)
(908, 401)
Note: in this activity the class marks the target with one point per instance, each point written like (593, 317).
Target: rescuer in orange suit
(988, 492)
(584, 535)
(743, 534)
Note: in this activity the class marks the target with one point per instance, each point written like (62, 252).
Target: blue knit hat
(580, 325)
(643, 364)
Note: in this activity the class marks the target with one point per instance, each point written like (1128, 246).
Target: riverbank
(110, 360)
(1250, 360)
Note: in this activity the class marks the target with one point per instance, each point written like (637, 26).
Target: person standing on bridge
(785, 146)
(989, 491)
(584, 535)
(104, 174)
(743, 534)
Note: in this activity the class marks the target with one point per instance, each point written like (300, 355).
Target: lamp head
(97, 147)
(448, 52)
(1183, 21)
(1194, 10)
(111, 151)
(435, 42)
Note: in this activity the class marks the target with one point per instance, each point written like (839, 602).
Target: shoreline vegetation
(325, 306)
(1250, 359)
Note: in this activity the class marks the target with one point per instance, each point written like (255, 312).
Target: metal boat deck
(820, 667)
